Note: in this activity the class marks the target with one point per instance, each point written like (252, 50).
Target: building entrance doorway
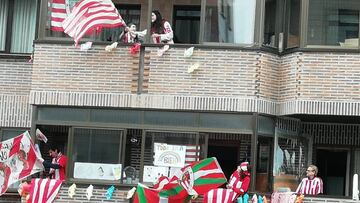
(333, 169)
(227, 157)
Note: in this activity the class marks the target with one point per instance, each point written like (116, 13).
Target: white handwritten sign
(169, 155)
(153, 173)
(97, 171)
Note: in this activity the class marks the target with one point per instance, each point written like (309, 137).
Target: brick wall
(15, 76)
(268, 76)
(99, 192)
(66, 68)
(98, 195)
(330, 76)
(289, 76)
(227, 80)
(15, 81)
(221, 73)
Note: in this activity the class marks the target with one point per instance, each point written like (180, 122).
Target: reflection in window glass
(270, 22)
(97, 146)
(293, 39)
(334, 22)
(166, 152)
(10, 133)
(186, 24)
(230, 21)
(3, 21)
(22, 23)
(289, 162)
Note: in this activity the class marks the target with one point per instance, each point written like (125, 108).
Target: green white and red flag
(190, 181)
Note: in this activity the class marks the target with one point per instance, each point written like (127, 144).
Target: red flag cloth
(88, 16)
(59, 11)
(18, 160)
(135, 48)
(44, 190)
(190, 181)
(237, 186)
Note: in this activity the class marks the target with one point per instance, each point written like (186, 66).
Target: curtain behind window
(24, 24)
(3, 19)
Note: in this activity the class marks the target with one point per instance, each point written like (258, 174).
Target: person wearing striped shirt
(58, 164)
(311, 185)
(238, 185)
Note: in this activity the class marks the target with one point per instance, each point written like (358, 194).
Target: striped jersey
(310, 186)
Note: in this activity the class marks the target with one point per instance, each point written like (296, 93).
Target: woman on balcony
(161, 31)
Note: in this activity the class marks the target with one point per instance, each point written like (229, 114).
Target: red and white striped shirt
(237, 186)
(310, 186)
(60, 174)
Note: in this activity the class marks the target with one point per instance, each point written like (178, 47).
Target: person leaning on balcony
(161, 31)
(58, 164)
(311, 185)
(129, 34)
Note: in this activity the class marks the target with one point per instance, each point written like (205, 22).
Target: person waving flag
(89, 16)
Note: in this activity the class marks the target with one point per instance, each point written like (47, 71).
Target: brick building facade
(242, 103)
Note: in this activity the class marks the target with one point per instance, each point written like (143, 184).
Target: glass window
(166, 152)
(4, 6)
(229, 21)
(97, 145)
(290, 162)
(270, 23)
(57, 12)
(334, 22)
(17, 37)
(130, 14)
(10, 133)
(293, 9)
(186, 24)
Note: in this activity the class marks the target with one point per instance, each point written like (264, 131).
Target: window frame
(145, 134)
(10, 129)
(8, 28)
(9, 25)
(71, 163)
(304, 22)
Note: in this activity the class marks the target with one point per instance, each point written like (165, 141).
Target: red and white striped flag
(44, 190)
(18, 160)
(59, 11)
(88, 16)
(192, 154)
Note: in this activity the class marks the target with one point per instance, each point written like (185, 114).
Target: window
(165, 152)
(129, 13)
(290, 161)
(96, 148)
(270, 23)
(230, 21)
(18, 23)
(186, 24)
(10, 133)
(334, 23)
(293, 13)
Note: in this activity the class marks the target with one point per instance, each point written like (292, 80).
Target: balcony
(238, 80)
